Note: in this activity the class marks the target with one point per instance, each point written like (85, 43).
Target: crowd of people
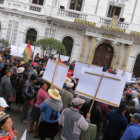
(51, 111)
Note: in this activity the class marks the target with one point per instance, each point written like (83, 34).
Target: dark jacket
(29, 90)
(117, 123)
(5, 87)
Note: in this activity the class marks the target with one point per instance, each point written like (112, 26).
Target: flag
(27, 54)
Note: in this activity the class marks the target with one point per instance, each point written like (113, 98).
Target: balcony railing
(107, 21)
(36, 8)
(73, 14)
(1, 1)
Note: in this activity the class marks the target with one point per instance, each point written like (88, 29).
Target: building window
(39, 2)
(31, 36)
(76, 5)
(114, 11)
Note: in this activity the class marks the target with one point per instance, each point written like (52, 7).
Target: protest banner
(55, 73)
(24, 135)
(101, 86)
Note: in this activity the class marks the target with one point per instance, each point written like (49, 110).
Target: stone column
(126, 57)
(91, 51)
(83, 48)
(119, 56)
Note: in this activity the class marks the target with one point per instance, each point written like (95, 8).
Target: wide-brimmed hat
(3, 103)
(21, 63)
(3, 116)
(20, 70)
(54, 93)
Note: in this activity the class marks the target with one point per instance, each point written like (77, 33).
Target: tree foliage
(4, 43)
(50, 47)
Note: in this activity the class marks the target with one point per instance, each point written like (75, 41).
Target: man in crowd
(133, 131)
(67, 94)
(28, 93)
(117, 123)
(73, 122)
(6, 86)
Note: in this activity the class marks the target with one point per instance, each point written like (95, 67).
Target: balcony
(107, 21)
(72, 13)
(36, 8)
(1, 1)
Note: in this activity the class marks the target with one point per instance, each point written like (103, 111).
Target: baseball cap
(78, 101)
(3, 103)
(136, 116)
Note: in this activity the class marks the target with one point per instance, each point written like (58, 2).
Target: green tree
(4, 43)
(50, 47)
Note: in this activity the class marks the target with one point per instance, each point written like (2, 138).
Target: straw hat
(20, 70)
(54, 93)
(22, 62)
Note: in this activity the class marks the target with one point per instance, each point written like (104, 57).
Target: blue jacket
(117, 123)
(132, 132)
(47, 113)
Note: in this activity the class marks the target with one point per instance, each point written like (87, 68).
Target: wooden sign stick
(96, 93)
(54, 74)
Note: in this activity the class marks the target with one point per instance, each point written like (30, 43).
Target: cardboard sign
(110, 90)
(55, 73)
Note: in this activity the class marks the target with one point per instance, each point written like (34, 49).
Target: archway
(103, 55)
(31, 35)
(136, 69)
(68, 43)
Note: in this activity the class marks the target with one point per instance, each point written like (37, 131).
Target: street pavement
(20, 127)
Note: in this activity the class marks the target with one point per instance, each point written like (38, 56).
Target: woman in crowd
(50, 109)
(35, 114)
(6, 130)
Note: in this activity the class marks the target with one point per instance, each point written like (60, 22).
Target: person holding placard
(73, 122)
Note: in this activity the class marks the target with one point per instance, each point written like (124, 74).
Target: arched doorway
(136, 69)
(68, 43)
(31, 35)
(103, 55)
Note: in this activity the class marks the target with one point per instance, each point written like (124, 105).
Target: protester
(28, 93)
(117, 123)
(3, 104)
(50, 108)
(6, 127)
(72, 121)
(6, 86)
(67, 94)
(133, 131)
(35, 114)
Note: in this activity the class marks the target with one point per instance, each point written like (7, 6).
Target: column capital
(83, 48)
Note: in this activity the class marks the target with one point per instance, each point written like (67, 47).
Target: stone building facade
(100, 32)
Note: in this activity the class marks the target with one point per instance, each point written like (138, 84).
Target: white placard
(64, 58)
(24, 135)
(59, 75)
(78, 68)
(49, 71)
(110, 90)
(14, 50)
